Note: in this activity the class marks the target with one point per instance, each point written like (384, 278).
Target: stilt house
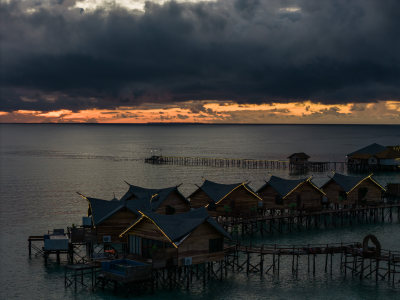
(109, 218)
(280, 193)
(299, 158)
(374, 157)
(181, 239)
(353, 190)
(222, 199)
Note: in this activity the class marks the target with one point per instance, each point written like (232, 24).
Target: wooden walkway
(350, 258)
(244, 163)
(273, 221)
(265, 261)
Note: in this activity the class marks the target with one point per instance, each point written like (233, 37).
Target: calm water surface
(42, 166)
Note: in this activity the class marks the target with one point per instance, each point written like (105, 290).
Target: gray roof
(139, 198)
(300, 155)
(346, 182)
(136, 198)
(216, 191)
(281, 185)
(102, 209)
(370, 149)
(178, 226)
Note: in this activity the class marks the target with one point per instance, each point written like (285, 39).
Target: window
(169, 210)
(212, 206)
(278, 200)
(149, 247)
(298, 201)
(232, 204)
(362, 193)
(216, 245)
(342, 196)
(135, 244)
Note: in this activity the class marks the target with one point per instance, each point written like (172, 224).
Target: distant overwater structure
(374, 157)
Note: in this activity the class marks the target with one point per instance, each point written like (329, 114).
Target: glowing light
(291, 9)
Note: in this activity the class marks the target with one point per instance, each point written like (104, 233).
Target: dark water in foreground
(42, 166)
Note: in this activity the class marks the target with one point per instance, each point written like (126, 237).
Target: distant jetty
(374, 157)
(246, 163)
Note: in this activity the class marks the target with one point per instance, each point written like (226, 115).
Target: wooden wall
(373, 196)
(332, 191)
(269, 194)
(114, 225)
(240, 201)
(196, 245)
(175, 200)
(146, 229)
(310, 198)
(199, 199)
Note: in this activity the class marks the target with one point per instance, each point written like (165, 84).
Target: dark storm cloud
(334, 51)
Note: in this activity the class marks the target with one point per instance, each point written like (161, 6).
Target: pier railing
(244, 163)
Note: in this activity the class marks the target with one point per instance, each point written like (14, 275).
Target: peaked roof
(349, 183)
(102, 209)
(177, 227)
(135, 199)
(389, 153)
(139, 198)
(300, 155)
(218, 191)
(368, 150)
(284, 187)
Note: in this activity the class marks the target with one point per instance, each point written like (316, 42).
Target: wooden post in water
(314, 264)
(326, 258)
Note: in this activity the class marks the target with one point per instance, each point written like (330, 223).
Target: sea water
(44, 165)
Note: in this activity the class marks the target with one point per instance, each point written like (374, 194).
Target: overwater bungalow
(301, 194)
(109, 218)
(343, 190)
(375, 157)
(181, 239)
(220, 199)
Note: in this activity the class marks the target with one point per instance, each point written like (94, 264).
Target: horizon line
(193, 123)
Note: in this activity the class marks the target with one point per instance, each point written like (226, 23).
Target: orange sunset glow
(383, 112)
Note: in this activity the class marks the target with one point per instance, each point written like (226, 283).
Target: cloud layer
(56, 56)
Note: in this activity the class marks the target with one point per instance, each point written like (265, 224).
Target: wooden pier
(77, 252)
(275, 221)
(245, 163)
(355, 259)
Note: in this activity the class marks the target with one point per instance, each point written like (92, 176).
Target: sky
(222, 61)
